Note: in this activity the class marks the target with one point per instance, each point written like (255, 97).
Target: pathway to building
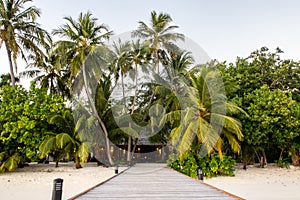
(154, 181)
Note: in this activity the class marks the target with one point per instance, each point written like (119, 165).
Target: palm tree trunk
(157, 71)
(123, 89)
(129, 138)
(129, 148)
(56, 163)
(97, 116)
(12, 74)
(136, 90)
(157, 61)
(131, 154)
(77, 162)
(134, 147)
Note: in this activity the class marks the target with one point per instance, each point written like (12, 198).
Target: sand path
(261, 183)
(36, 182)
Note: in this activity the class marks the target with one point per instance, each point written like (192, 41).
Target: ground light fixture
(200, 173)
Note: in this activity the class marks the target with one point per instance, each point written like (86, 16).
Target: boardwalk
(154, 181)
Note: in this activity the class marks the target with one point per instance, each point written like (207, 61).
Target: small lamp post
(117, 169)
(57, 189)
(200, 173)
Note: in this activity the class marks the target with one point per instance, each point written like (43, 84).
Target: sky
(225, 30)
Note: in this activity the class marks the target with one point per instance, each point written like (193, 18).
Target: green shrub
(283, 163)
(211, 165)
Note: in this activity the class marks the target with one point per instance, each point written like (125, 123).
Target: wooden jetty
(154, 181)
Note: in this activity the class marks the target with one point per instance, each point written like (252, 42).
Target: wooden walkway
(154, 181)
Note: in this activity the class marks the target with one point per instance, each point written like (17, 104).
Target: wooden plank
(154, 181)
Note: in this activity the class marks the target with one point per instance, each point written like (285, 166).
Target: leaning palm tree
(20, 32)
(205, 119)
(159, 34)
(82, 38)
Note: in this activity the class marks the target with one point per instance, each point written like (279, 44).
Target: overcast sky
(224, 29)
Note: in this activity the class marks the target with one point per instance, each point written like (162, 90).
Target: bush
(283, 163)
(211, 165)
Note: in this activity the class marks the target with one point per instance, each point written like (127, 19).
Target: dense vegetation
(207, 114)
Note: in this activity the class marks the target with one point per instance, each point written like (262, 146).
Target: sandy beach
(261, 183)
(36, 181)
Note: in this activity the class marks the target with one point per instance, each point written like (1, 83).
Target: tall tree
(82, 38)
(20, 32)
(170, 89)
(122, 62)
(272, 123)
(138, 56)
(159, 34)
(262, 82)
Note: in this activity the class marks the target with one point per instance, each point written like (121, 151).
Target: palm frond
(64, 139)
(188, 138)
(48, 145)
(84, 151)
(11, 163)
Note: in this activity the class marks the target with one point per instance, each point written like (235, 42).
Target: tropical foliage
(20, 32)
(67, 140)
(23, 117)
(207, 113)
(204, 113)
(210, 165)
(82, 39)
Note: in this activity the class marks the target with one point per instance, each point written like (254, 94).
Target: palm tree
(20, 32)
(122, 62)
(138, 56)
(48, 72)
(169, 92)
(68, 140)
(205, 118)
(159, 34)
(83, 37)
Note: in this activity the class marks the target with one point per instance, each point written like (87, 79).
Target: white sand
(261, 183)
(36, 182)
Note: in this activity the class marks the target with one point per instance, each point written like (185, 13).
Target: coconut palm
(48, 72)
(168, 88)
(20, 32)
(205, 120)
(67, 140)
(169, 92)
(159, 34)
(139, 58)
(122, 61)
(82, 39)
